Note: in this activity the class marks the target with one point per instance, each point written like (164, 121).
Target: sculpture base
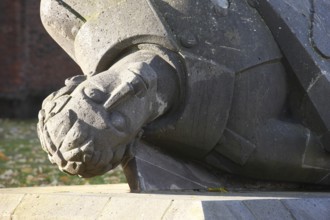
(114, 202)
(149, 169)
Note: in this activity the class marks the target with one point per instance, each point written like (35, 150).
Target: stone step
(115, 202)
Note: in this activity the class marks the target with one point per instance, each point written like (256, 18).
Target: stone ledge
(115, 202)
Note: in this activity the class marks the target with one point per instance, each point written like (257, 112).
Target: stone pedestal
(115, 202)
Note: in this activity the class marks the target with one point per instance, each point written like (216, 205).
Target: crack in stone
(12, 214)
(103, 208)
(167, 209)
(70, 9)
(314, 81)
(288, 209)
(311, 29)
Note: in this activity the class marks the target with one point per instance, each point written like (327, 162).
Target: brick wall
(31, 64)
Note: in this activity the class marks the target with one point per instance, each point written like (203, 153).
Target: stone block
(318, 209)
(185, 209)
(9, 202)
(226, 210)
(135, 208)
(39, 206)
(268, 209)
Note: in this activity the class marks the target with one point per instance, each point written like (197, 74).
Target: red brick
(31, 62)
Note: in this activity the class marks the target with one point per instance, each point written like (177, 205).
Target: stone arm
(93, 122)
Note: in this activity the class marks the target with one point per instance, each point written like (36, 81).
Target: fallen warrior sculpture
(177, 90)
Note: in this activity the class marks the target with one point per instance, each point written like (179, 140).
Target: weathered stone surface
(135, 208)
(309, 208)
(115, 202)
(226, 210)
(8, 204)
(151, 170)
(60, 206)
(184, 209)
(212, 88)
(268, 209)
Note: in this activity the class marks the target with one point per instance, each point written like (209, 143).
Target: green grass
(24, 163)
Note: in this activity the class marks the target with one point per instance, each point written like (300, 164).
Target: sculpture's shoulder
(307, 20)
(302, 31)
(231, 33)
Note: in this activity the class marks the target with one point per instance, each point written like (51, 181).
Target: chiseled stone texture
(226, 210)
(114, 202)
(8, 203)
(185, 209)
(135, 208)
(60, 206)
(268, 209)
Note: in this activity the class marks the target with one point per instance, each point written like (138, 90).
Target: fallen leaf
(64, 179)
(220, 189)
(3, 157)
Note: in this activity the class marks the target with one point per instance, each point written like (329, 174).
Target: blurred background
(32, 66)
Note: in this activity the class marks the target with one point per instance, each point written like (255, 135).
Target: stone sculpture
(175, 90)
